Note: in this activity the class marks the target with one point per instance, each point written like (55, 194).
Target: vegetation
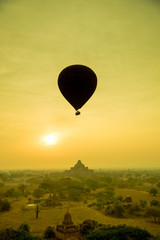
(113, 197)
(87, 226)
(155, 213)
(21, 234)
(4, 205)
(153, 191)
(116, 210)
(155, 203)
(49, 233)
(120, 232)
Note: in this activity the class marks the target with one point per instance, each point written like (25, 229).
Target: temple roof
(67, 219)
(79, 165)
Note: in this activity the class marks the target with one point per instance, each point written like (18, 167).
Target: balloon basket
(77, 113)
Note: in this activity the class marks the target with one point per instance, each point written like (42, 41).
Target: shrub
(87, 226)
(153, 191)
(24, 228)
(49, 233)
(117, 210)
(4, 206)
(142, 203)
(38, 193)
(9, 192)
(134, 208)
(109, 210)
(154, 212)
(75, 194)
(155, 203)
(120, 198)
(12, 234)
(99, 205)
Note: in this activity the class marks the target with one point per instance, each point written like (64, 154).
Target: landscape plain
(85, 197)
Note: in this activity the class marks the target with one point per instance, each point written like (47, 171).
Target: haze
(119, 127)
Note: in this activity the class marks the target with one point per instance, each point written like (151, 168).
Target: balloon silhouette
(77, 83)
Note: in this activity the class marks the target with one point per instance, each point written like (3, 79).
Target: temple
(79, 169)
(67, 228)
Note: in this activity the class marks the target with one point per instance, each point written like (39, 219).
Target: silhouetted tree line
(120, 232)
(22, 233)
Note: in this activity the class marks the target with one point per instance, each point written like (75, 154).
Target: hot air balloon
(77, 83)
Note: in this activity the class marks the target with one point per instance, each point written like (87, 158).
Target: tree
(21, 234)
(105, 197)
(45, 185)
(29, 199)
(9, 192)
(92, 183)
(17, 193)
(12, 192)
(22, 187)
(4, 205)
(109, 192)
(49, 233)
(74, 194)
(142, 203)
(153, 191)
(155, 203)
(37, 210)
(87, 226)
(120, 198)
(100, 204)
(24, 228)
(134, 208)
(120, 232)
(39, 192)
(109, 210)
(154, 212)
(116, 210)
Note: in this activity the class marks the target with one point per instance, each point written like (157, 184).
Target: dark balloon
(77, 83)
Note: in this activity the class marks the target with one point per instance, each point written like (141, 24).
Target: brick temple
(67, 228)
(79, 169)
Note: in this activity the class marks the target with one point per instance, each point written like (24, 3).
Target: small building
(79, 169)
(67, 228)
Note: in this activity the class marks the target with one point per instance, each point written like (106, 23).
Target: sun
(50, 140)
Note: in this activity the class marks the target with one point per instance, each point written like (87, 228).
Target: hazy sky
(120, 125)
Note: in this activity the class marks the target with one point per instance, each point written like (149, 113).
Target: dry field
(136, 195)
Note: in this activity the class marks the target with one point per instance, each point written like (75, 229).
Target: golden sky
(119, 127)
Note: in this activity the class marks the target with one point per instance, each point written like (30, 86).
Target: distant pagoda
(79, 169)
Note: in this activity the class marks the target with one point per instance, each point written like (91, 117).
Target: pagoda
(79, 169)
(67, 228)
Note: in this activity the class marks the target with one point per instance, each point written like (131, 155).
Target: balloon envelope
(77, 83)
